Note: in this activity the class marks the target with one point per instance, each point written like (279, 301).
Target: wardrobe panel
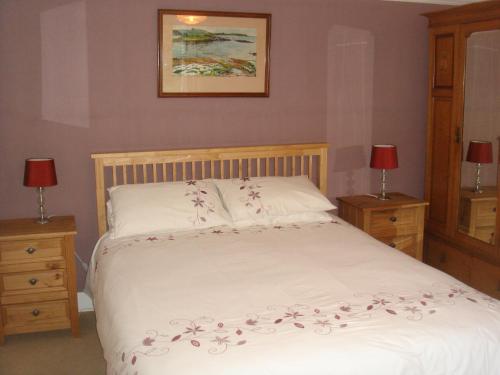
(443, 72)
(441, 137)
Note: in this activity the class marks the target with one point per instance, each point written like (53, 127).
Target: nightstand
(398, 222)
(37, 276)
(478, 213)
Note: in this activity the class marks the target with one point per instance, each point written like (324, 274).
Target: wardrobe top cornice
(482, 11)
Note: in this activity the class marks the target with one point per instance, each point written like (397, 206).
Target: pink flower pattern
(253, 199)
(226, 231)
(217, 337)
(196, 190)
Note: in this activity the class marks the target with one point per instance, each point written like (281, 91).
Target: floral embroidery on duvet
(217, 337)
(126, 243)
(225, 231)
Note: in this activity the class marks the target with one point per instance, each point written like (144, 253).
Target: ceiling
(445, 2)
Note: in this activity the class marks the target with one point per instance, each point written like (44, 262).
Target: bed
(306, 297)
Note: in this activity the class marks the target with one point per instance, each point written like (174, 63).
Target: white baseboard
(84, 302)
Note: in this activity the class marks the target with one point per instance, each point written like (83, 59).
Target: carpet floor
(54, 353)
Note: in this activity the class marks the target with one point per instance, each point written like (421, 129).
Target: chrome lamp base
(43, 218)
(477, 185)
(383, 195)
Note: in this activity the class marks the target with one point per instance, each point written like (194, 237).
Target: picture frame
(213, 54)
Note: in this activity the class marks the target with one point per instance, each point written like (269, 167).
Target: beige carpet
(54, 353)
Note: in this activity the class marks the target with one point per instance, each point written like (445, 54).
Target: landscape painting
(205, 53)
(213, 51)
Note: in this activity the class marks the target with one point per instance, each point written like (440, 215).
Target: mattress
(318, 298)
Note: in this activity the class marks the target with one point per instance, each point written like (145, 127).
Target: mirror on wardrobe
(481, 129)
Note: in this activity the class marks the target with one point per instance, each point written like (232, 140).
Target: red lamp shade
(384, 157)
(480, 152)
(40, 172)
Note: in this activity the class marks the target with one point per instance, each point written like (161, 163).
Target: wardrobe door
(442, 133)
(477, 212)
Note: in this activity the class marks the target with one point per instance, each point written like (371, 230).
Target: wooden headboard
(121, 168)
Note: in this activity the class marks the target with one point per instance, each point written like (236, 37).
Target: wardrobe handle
(30, 250)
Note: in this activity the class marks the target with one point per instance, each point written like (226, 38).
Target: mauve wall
(321, 90)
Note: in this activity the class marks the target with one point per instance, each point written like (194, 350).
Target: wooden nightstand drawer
(398, 221)
(50, 295)
(487, 210)
(19, 251)
(402, 221)
(33, 266)
(486, 234)
(31, 316)
(407, 244)
(32, 280)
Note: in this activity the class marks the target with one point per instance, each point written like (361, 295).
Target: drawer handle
(35, 312)
(392, 244)
(393, 219)
(494, 209)
(33, 281)
(30, 250)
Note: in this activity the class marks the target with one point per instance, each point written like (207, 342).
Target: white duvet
(309, 299)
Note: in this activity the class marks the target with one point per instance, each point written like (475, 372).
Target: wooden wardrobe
(463, 43)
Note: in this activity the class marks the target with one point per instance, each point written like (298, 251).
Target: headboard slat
(164, 172)
(239, 161)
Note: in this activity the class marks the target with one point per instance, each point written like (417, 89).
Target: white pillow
(264, 198)
(109, 215)
(168, 206)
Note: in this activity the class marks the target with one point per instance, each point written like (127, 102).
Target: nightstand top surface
(25, 228)
(371, 203)
(489, 193)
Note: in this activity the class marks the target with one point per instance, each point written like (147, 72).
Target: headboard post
(273, 160)
(323, 170)
(101, 196)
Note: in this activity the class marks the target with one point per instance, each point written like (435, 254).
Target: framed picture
(213, 53)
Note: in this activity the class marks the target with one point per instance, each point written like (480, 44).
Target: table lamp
(384, 157)
(40, 173)
(479, 152)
